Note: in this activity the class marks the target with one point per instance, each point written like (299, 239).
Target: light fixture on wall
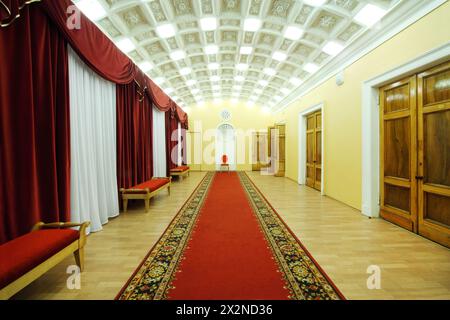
(369, 15)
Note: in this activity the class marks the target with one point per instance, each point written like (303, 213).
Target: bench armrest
(58, 225)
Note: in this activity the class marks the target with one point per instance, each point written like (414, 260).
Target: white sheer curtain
(94, 193)
(159, 143)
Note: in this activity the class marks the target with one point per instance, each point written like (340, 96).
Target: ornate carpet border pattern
(305, 280)
(152, 279)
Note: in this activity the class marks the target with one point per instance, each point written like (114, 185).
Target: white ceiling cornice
(400, 17)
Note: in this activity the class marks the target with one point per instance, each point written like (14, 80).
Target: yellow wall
(242, 118)
(342, 118)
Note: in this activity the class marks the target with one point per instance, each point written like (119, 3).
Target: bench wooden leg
(147, 204)
(79, 258)
(125, 205)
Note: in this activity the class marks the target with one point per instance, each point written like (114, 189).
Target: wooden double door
(415, 153)
(314, 150)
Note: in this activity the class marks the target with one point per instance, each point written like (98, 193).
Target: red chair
(224, 163)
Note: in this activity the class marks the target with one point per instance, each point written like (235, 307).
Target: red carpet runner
(228, 243)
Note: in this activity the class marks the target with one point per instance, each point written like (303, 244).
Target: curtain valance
(91, 44)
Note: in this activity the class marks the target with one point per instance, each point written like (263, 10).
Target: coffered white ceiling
(249, 50)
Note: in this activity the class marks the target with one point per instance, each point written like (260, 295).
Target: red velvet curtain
(171, 127)
(134, 136)
(34, 124)
(94, 47)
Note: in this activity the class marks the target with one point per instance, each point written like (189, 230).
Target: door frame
(370, 124)
(302, 144)
(233, 166)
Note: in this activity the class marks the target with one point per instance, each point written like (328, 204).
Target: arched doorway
(226, 144)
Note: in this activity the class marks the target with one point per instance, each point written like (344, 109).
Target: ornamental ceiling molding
(256, 74)
(414, 10)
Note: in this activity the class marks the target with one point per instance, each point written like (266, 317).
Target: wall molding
(371, 118)
(302, 144)
(370, 40)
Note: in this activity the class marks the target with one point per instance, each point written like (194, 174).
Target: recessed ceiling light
(314, 3)
(242, 66)
(265, 110)
(174, 98)
(239, 78)
(177, 55)
(213, 66)
(250, 104)
(200, 103)
(211, 49)
(234, 101)
(145, 66)
(252, 24)
(126, 45)
(216, 87)
(185, 71)
(237, 88)
(92, 9)
(216, 94)
(215, 78)
(270, 71)
(195, 91)
(246, 50)
(311, 67)
(296, 81)
(235, 94)
(159, 80)
(278, 98)
(217, 100)
(333, 48)
(293, 33)
(369, 15)
(208, 23)
(279, 56)
(258, 91)
(253, 98)
(168, 90)
(191, 82)
(165, 30)
(263, 82)
(285, 90)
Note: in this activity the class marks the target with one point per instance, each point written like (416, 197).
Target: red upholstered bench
(26, 258)
(180, 171)
(145, 191)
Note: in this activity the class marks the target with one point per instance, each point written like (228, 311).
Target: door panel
(398, 164)
(310, 175)
(281, 157)
(314, 150)
(434, 154)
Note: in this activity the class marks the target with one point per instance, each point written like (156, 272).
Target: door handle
(419, 177)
